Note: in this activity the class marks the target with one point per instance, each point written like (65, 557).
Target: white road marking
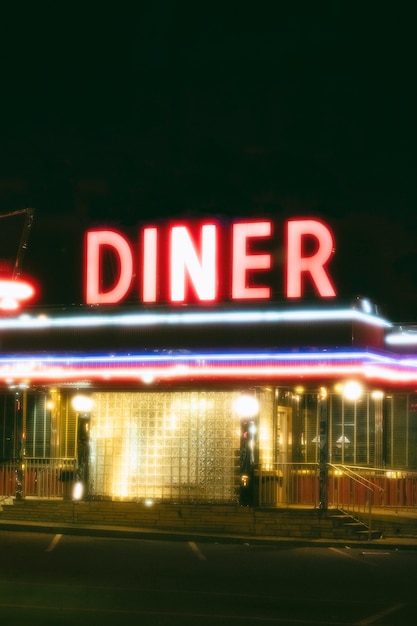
(343, 553)
(196, 550)
(53, 543)
(375, 618)
(352, 556)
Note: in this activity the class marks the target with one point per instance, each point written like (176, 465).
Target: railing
(352, 492)
(353, 486)
(275, 485)
(287, 483)
(391, 488)
(42, 478)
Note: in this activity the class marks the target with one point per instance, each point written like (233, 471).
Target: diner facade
(183, 416)
(257, 400)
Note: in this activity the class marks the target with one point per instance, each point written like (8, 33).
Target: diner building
(258, 402)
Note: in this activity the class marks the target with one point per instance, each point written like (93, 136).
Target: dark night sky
(178, 109)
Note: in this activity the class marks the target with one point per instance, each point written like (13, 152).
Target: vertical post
(370, 497)
(24, 419)
(21, 467)
(82, 406)
(323, 449)
(247, 462)
(247, 409)
(83, 450)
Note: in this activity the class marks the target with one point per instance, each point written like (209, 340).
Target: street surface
(56, 580)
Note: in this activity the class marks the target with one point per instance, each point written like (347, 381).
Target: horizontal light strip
(209, 366)
(197, 359)
(189, 318)
(182, 373)
(206, 357)
(402, 339)
(58, 375)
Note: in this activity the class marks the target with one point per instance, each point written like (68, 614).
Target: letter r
(314, 264)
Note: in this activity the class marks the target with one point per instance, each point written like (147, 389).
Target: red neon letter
(243, 262)
(149, 252)
(95, 242)
(184, 257)
(314, 264)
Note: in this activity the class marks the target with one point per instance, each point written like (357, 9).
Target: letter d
(95, 242)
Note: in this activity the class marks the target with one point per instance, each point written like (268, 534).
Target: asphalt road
(65, 580)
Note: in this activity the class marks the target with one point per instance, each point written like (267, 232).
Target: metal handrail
(370, 486)
(356, 476)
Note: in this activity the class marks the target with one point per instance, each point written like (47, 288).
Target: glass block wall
(164, 445)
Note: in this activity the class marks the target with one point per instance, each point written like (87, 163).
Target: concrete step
(365, 534)
(347, 527)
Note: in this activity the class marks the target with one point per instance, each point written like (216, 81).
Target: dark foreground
(65, 580)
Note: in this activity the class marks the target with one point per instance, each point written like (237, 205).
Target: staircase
(345, 526)
(353, 500)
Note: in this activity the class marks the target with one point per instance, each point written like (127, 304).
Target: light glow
(78, 491)
(352, 390)
(148, 378)
(82, 404)
(377, 395)
(323, 393)
(246, 406)
(12, 292)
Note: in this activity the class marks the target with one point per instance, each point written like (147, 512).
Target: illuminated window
(164, 445)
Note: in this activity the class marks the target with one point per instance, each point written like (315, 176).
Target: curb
(400, 543)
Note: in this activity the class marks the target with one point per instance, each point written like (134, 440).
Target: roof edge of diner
(361, 310)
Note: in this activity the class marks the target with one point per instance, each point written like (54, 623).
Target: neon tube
(94, 320)
(371, 366)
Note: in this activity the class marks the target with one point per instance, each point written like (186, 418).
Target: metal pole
(83, 450)
(323, 450)
(370, 496)
(21, 469)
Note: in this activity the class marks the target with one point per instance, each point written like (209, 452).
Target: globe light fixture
(82, 404)
(246, 406)
(352, 390)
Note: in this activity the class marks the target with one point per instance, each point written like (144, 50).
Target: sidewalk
(145, 533)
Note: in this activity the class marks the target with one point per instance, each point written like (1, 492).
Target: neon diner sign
(208, 261)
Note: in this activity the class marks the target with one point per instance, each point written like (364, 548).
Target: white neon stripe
(402, 339)
(195, 317)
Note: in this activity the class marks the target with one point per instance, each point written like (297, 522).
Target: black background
(118, 115)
